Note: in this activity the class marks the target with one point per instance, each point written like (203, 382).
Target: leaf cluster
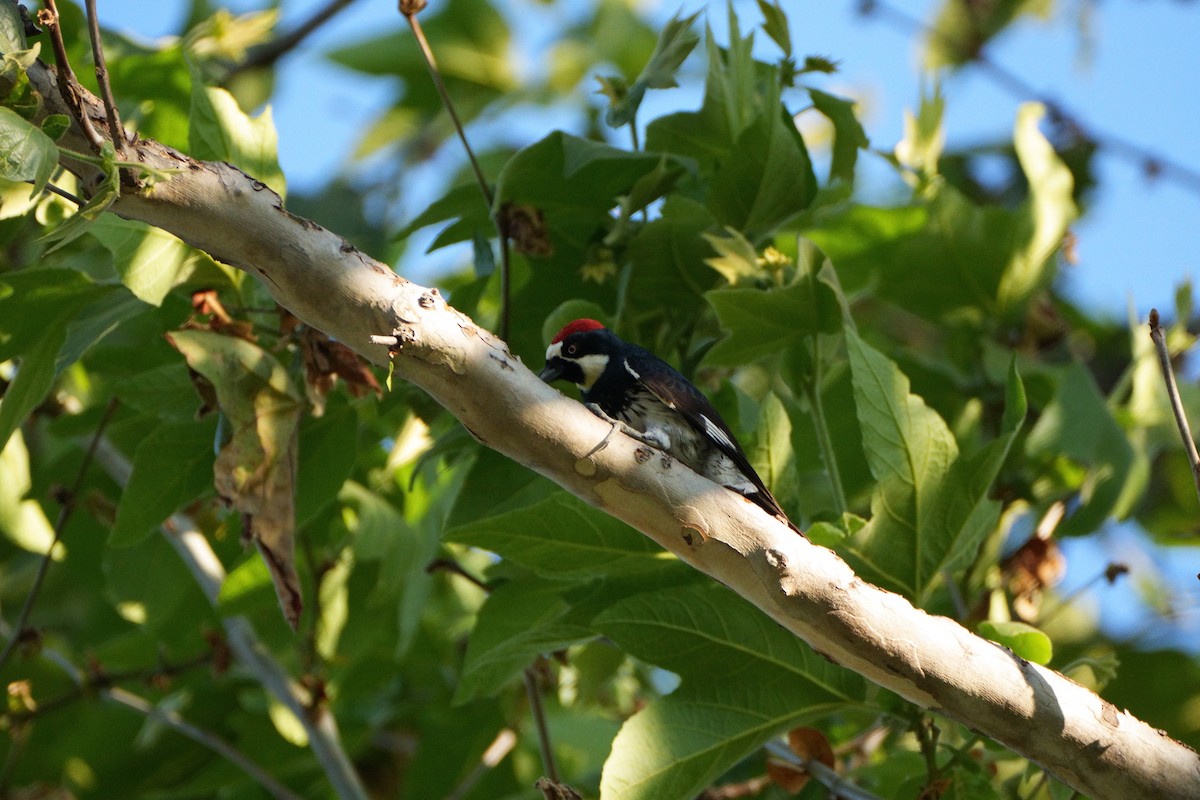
(905, 376)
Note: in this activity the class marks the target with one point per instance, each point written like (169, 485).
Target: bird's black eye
(572, 349)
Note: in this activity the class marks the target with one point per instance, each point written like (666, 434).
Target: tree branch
(932, 661)
(206, 569)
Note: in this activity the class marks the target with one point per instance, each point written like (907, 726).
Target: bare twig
(835, 783)
(267, 54)
(1185, 431)
(110, 107)
(538, 712)
(68, 86)
(64, 514)
(213, 742)
(410, 9)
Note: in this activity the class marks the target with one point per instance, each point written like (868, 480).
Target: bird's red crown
(575, 327)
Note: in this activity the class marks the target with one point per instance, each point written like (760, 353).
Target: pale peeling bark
(1086, 742)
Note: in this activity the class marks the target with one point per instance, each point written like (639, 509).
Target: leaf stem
(410, 9)
(1185, 431)
(64, 514)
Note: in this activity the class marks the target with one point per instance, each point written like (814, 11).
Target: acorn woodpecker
(629, 384)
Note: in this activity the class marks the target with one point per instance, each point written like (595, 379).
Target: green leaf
(166, 391)
(1025, 640)
(36, 312)
(573, 182)
(667, 258)
(930, 510)
(1044, 218)
(737, 260)
(403, 549)
(848, 134)
(772, 455)
(147, 584)
(328, 448)
(775, 24)
(767, 180)
(463, 206)
(220, 131)
(26, 153)
(12, 29)
(762, 322)
(149, 260)
(22, 520)
(520, 621)
(744, 680)
(564, 538)
(675, 42)
(172, 466)
(496, 484)
(1077, 424)
(34, 377)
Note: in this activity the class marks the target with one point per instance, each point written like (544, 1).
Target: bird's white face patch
(592, 365)
(554, 351)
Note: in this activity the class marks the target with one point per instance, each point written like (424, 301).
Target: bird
(625, 383)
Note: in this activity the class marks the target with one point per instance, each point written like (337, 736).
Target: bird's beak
(551, 372)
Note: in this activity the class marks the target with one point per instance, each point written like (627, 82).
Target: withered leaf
(256, 469)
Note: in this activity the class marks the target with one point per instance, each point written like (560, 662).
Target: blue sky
(1126, 68)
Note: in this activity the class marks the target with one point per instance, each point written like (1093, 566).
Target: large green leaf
(573, 182)
(1077, 424)
(520, 621)
(675, 42)
(848, 134)
(763, 322)
(171, 467)
(767, 180)
(220, 131)
(26, 154)
(930, 510)
(744, 680)
(149, 260)
(562, 537)
(36, 309)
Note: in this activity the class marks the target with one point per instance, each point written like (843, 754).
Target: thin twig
(824, 775)
(1185, 431)
(213, 742)
(63, 193)
(448, 565)
(539, 717)
(410, 9)
(68, 86)
(267, 54)
(64, 514)
(110, 107)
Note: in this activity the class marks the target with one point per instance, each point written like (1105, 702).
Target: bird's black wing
(678, 393)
